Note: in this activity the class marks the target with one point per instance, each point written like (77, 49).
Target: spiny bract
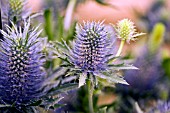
(21, 60)
(91, 46)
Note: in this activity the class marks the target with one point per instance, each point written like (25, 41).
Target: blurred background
(149, 88)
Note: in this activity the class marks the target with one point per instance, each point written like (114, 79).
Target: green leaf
(2, 106)
(37, 103)
(102, 110)
(112, 58)
(156, 38)
(102, 2)
(166, 66)
(111, 77)
(51, 102)
(49, 24)
(60, 27)
(71, 32)
(55, 106)
(62, 47)
(82, 79)
(63, 88)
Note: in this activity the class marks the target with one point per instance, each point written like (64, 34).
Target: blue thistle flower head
(91, 47)
(21, 61)
(92, 54)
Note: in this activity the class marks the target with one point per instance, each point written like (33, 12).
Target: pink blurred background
(91, 10)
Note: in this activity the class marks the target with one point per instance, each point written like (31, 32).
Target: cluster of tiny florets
(15, 8)
(21, 74)
(125, 30)
(90, 49)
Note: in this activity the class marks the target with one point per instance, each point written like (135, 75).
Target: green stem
(120, 48)
(90, 89)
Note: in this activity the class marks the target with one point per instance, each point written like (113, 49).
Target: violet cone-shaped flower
(21, 72)
(91, 47)
(91, 54)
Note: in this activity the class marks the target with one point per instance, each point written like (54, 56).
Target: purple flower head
(21, 72)
(91, 46)
(92, 53)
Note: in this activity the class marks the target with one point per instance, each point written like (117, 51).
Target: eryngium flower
(125, 30)
(21, 74)
(91, 46)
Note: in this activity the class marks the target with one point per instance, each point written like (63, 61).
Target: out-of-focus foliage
(158, 13)
(144, 83)
(156, 38)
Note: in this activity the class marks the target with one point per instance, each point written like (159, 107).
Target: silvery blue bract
(21, 72)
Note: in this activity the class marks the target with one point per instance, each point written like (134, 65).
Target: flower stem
(90, 89)
(120, 48)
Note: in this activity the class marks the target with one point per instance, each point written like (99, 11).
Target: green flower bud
(125, 30)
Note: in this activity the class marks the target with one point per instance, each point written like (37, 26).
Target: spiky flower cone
(91, 47)
(21, 74)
